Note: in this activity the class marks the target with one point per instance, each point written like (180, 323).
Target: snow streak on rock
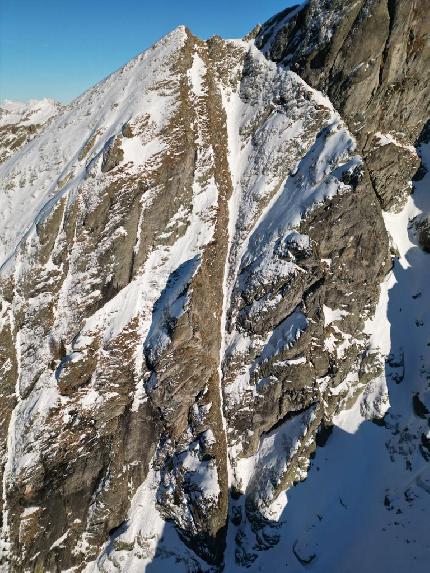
(368, 486)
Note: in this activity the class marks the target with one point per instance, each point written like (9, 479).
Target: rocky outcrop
(371, 58)
(191, 254)
(423, 228)
(113, 155)
(392, 166)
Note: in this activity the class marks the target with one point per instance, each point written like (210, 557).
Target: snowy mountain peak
(212, 289)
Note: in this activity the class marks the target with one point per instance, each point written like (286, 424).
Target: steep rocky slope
(372, 58)
(192, 255)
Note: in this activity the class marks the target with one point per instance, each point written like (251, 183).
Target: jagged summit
(204, 264)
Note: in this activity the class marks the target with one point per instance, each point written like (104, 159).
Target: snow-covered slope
(192, 322)
(20, 121)
(33, 112)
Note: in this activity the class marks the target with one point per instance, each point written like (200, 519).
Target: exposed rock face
(423, 228)
(372, 58)
(191, 255)
(391, 168)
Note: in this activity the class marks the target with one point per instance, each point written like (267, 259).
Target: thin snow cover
(389, 138)
(170, 306)
(261, 473)
(350, 420)
(312, 177)
(33, 112)
(263, 271)
(331, 315)
(158, 296)
(277, 341)
(138, 152)
(28, 511)
(292, 362)
(375, 402)
(21, 455)
(366, 498)
(140, 295)
(203, 475)
(59, 542)
(344, 494)
(284, 335)
(28, 193)
(281, 169)
(145, 535)
(196, 75)
(339, 517)
(104, 110)
(313, 182)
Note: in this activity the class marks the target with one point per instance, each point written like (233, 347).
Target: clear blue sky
(59, 48)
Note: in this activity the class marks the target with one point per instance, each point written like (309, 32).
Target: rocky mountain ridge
(195, 299)
(20, 121)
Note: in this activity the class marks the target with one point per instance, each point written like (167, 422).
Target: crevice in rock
(372, 183)
(336, 57)
(391, 9)
(289, 416)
